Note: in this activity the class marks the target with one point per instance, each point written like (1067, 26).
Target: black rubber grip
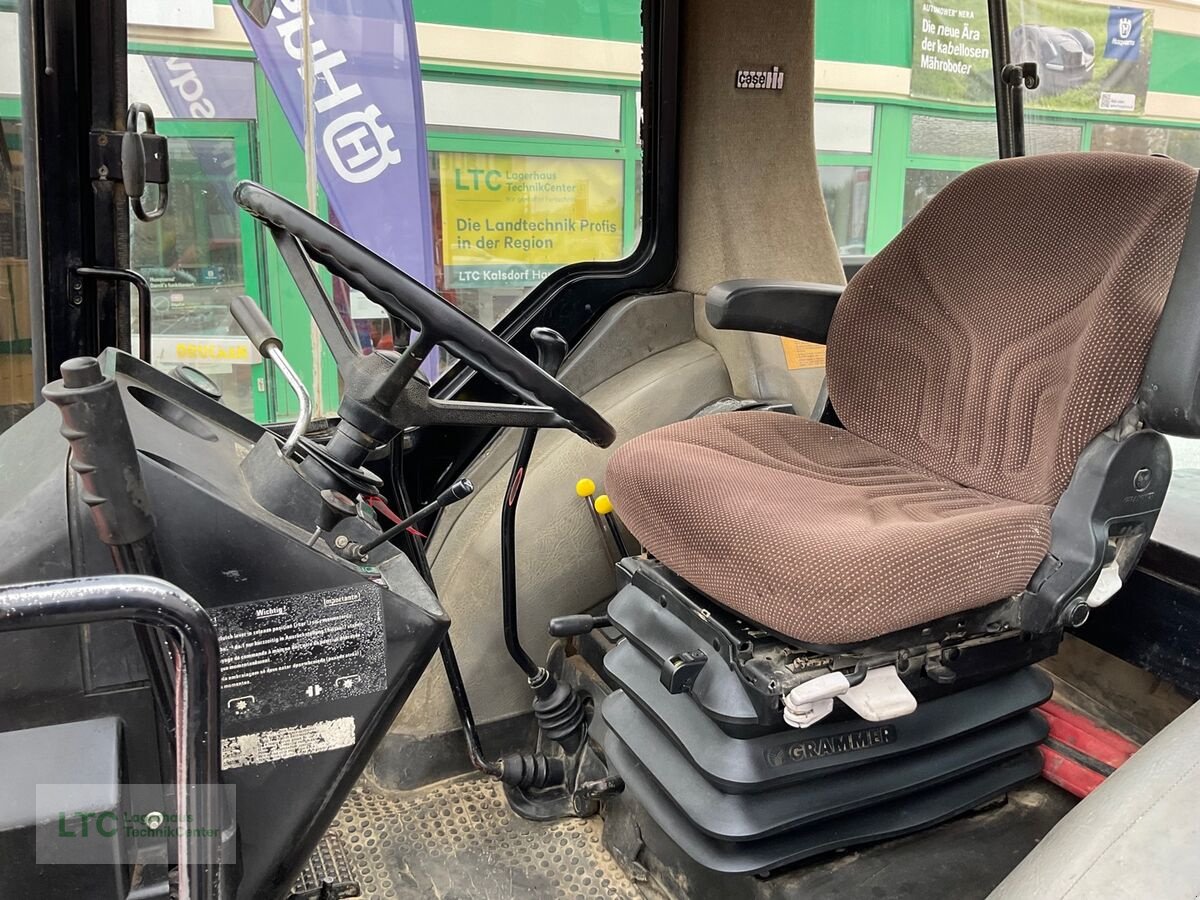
(573, 626)
(551, 349)
(254, 323)
(457, 491)
(133, 164)
(102, 451)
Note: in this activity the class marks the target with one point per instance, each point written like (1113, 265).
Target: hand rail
(154, 603)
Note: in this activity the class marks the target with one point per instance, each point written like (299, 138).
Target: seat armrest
(795, 309)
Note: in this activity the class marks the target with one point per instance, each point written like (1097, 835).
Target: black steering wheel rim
(423, 309)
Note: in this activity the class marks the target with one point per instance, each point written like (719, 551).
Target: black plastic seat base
(756, 804)
(747, 817)
(752, 765)
(900, 816)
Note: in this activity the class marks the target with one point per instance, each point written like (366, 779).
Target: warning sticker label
(287, 652)
(286, 743)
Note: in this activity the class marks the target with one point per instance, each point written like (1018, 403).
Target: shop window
(194, 259)
(920, 186)
(845, 141)
(1177, 143)
(16, 335)
(844, 127)
(510, 109)
(967, 139)
(847, 191)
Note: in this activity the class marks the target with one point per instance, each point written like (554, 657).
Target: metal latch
(679, 673)
(134, 158)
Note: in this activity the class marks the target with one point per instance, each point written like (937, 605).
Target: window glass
(16, 344)
(1045, 138)
(16, 313)
(193, 258)
(847, 191)
(953, 136)
(1177, 143)
(920, 186)
(845, 141)
(477, 146)
(844, 127)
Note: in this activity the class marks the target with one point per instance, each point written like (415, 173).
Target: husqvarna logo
(1125, 27)
(357, 145)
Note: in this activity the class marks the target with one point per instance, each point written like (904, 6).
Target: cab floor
(459, 839)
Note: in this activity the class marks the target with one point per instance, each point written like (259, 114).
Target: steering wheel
(384, 386)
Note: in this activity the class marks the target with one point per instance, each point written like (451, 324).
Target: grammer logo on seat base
(831, 745)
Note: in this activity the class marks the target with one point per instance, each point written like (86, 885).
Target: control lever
(556, 707)
(551, 350)
(258, 328)
(105, 458)
(358, 552)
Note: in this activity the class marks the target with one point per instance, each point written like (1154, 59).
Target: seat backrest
(1008, 323)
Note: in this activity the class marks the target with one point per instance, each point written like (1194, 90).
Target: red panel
(1068, 774)
(1083, 734)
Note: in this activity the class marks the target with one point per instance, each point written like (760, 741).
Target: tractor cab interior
(821, 623)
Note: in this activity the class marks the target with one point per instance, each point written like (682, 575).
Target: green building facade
(519, 92)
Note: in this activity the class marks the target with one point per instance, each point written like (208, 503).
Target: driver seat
(988, 468)
(970, 363)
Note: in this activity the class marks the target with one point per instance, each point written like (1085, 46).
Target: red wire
(380, 506)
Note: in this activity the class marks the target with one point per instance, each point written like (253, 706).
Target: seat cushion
(815, 533)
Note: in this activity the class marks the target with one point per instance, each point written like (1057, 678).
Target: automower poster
(1090, 57)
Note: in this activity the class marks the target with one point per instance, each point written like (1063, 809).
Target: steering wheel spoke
(464, 412)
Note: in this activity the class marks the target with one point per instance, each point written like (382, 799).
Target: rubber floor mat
(459, 839)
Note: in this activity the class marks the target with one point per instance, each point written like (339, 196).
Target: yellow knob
(585, 487)
(603, 505)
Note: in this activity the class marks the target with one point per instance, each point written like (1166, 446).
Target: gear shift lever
(258, 328)
(556, 707)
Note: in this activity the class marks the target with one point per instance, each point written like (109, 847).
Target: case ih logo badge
(760, 79)
(831, 745)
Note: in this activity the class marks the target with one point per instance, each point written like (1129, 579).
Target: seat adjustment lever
(680, 672)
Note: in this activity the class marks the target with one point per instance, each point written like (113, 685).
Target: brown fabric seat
(971, 362)
(802, 527)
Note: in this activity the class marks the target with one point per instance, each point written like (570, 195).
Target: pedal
(329, 874)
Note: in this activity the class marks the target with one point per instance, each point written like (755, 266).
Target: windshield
(476, 146)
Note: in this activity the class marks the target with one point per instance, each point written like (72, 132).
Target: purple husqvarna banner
(201, 88)
(370, 123)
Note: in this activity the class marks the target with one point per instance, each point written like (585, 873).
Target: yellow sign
(510, 220)
(194, 349)
(802, 354)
